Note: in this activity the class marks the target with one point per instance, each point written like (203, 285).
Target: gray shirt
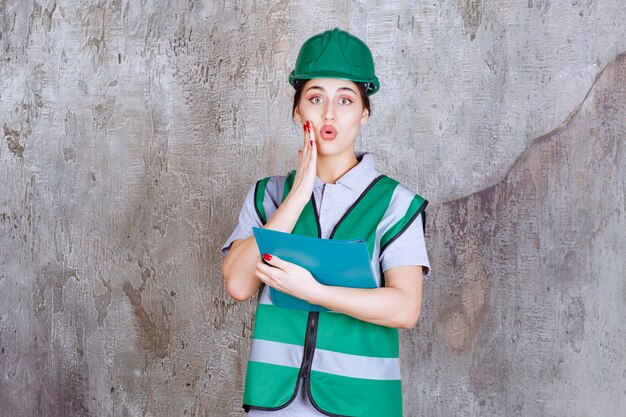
(333, 200)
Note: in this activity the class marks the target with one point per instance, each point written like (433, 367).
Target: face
(336, 110)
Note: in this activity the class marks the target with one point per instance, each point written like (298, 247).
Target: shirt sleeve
(248, 218)
(407, 249)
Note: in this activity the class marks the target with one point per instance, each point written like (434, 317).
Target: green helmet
(336, 54)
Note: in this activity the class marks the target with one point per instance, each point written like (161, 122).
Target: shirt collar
(359, 176)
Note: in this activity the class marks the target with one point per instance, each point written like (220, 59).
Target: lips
(328, 132)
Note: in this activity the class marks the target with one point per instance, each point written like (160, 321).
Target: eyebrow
(322, 88)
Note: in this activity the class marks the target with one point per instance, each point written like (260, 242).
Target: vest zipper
(309, 345)
(307, 363)
(311, 326)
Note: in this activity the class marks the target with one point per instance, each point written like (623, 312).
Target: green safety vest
(349, 367)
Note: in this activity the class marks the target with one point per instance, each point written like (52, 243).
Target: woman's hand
(287, 277)
(307, 166)
(241, 262)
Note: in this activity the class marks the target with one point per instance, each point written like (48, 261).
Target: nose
(329, 113)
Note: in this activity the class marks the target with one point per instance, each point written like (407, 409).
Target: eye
(344, 100)
(316, 100)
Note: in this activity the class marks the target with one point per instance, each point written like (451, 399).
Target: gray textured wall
(132, 130)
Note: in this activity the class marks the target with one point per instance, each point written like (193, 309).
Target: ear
(364, 116)
(296, 114)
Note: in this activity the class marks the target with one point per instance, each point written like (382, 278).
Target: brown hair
(299, 86)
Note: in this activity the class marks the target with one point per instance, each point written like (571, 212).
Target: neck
(332, 167)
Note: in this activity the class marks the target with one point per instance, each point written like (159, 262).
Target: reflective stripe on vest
(336, 363)
(350, 367)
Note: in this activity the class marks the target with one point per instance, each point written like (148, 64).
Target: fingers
(267, 271)
(307, 163)
(304, 155)
(311, 134)
(307, 134)
(312, 159)
(310, 145)
(264, 278)
(270, 275)
(275, 261)
(313, 143)
(305, 137)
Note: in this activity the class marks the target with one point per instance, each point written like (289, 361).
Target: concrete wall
(132, 130)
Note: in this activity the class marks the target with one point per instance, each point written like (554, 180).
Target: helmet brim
(372, 87)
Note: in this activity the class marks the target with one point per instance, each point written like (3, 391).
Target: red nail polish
(311, 142)
(267, 256)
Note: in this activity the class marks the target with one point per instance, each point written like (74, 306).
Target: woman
(344, 362)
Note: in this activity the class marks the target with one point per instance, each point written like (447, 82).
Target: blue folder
(344, 263)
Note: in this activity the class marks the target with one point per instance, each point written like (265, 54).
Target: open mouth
(328, 132)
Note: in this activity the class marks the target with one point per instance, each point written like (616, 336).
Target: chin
(333, 148)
